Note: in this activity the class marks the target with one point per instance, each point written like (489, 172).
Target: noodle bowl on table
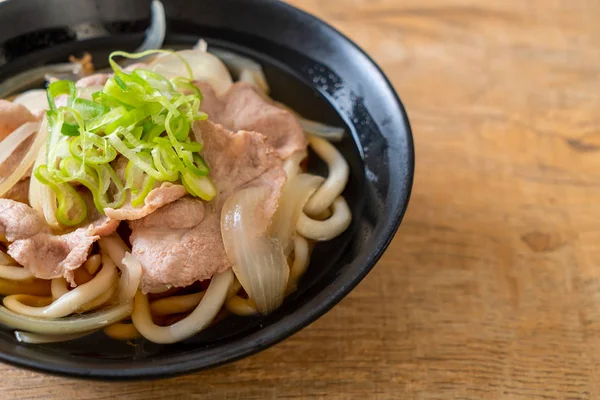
(183, 203)
(205, 172)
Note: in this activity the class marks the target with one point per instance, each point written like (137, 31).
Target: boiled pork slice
(18, 221)
(43, 253)
(181, 243)
(162, 194)
(158, 197)
(243, 107)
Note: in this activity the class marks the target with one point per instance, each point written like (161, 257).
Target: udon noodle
(105, 292)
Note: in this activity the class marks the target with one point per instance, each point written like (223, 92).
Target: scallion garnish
(142, 116)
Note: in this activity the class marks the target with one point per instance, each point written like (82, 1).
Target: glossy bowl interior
(310, 67)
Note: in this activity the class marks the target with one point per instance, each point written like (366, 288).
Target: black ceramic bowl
(312, 68)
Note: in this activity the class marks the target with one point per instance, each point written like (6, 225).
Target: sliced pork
(19, 221)
(181, 243)
(43, 253)
(157, 198)
(243, 107)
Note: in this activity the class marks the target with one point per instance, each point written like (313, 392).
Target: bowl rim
(285, 328)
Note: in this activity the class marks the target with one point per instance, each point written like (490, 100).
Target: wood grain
(491, 290)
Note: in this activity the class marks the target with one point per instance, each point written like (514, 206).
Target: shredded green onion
(142, 116)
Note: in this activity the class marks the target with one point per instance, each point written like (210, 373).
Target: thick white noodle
(114, 248)
(291, 165)
(71, 301)
(74, 324)
(15, 273)
(240, 306)
(301, 259)
(176, 304)
(331, 227)
(200, 318)
(339, 172)
(58, 287)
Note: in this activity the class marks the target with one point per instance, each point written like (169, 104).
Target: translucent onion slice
(41, 197)
(14, 140)
(205, 67)
(155, 36)
(74, 324)
(36, 338)
(246, 69)
(258, 261)
(330, 133)
(295, 194)
(339, 172)
(200, 318)
(71, 301)
(319, 129)
(35, 100)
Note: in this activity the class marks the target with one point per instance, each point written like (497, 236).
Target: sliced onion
(14, 140)
(35, 100)
(73, 324)
(131, 268)
(36, 338)
(155, 36)
(339, 172)
(71, 301)
(200, 318)
(330, 133)
(258, 261)
(295, 194)
(205, 67)
(41, 197)
(330, 228)
(87, 92)
(15, 273)
(246, 69)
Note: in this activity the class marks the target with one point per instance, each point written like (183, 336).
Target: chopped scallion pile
(142, 116)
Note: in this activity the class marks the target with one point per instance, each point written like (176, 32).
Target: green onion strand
(142, 116)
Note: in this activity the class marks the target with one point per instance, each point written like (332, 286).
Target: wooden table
(492, 287)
